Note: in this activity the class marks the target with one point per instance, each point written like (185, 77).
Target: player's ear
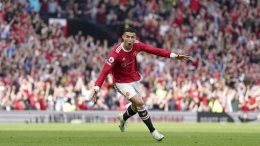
(123, 36)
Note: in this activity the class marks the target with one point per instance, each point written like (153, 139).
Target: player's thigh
(126, 89)
(137, 87)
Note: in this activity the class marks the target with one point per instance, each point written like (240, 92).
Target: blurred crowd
(42, 69)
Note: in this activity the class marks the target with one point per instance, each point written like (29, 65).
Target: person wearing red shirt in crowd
(123, 65)
(195, 5)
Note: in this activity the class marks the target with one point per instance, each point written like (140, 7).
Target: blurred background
(52, 51)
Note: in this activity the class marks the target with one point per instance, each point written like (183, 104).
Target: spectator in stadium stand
(52, 7)
(222, 37)
(69, 106)
(126, 78)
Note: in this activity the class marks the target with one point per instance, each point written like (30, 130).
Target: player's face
(129, 39)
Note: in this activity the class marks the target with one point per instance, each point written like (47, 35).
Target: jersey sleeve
(109, 64)
(154, 50)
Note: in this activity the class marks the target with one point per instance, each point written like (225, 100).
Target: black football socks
(128, 113)
(146, 119)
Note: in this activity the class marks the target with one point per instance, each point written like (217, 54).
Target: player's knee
(140, 108)
(139, 103)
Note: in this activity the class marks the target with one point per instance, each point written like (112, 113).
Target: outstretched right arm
(109, 64)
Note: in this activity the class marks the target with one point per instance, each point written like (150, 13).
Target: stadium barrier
(110, 116)
(214, 117)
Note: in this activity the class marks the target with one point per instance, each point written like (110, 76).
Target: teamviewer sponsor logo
(125, 64)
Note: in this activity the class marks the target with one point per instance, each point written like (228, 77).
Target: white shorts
(129, 90)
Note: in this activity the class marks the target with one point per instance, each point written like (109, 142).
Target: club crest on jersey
(127, 93)
(135, 53)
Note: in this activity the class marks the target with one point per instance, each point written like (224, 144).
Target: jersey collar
(125, 49)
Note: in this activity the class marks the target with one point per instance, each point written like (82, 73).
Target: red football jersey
(123, 64)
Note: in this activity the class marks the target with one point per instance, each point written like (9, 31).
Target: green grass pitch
(136, 134)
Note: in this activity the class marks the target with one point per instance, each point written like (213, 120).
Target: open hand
(183, 58)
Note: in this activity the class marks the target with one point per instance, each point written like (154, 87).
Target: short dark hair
(129, 29)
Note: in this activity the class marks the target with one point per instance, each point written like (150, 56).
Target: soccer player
(123, 65)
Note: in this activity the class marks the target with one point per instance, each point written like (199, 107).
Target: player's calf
(143, 114)
(147, 120)
(129, 112)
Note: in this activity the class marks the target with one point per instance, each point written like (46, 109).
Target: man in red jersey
(122, 64)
